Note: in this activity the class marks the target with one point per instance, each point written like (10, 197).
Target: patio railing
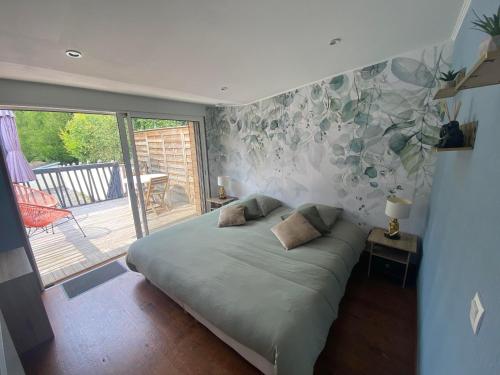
(77, 185)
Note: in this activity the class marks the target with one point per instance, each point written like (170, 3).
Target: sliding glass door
(70, 195)
(92, 187)
(165, 171)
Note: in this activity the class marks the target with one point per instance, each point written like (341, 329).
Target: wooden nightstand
(216, 202)
(394, 250)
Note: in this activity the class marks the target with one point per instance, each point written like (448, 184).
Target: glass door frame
(122, 123)
(125, 125)
(26, 242)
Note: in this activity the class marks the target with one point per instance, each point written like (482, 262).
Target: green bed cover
(278, 303)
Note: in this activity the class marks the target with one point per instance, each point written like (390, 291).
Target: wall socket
(476, 313)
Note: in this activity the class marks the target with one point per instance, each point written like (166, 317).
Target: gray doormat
(92, 279)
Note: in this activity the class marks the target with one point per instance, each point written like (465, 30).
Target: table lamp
(396, 208)
(221, 182)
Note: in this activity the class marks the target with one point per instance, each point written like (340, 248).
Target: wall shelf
(469, 130)
(485, 72)
(465, 148)
(446, 93)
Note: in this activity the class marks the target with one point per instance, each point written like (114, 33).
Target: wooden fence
(171, 151)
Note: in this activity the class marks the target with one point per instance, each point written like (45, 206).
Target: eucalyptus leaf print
(285, 99)
(294, 141)
(351, 140)
(297, 117)
(373, 70)
(335, 104)
(362, 119)
(371, 172)
(349, 110)
(353, 160)
(357, 145)
(337, 82)
(320, 137)
(317, 92)
(319, 108)
(431, 131)
(351, 180)
(372, 131)
(412, 158)
(398, 142)
(399, 126)
(429, 140)
(405, 115)
(412, 71)
(394, 103)
(325, 124)
(338, 150)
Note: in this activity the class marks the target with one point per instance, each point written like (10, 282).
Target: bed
(274, 307)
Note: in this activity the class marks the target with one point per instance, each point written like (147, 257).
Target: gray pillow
(311, 213)
(252, 209)
(231, 215)
(295, 231)
(266, 204)
(329, 214)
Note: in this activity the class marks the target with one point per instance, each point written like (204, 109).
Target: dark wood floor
(127, 326)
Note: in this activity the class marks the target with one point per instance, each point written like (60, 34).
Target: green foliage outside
(39, 135)
(67, 137)
(92, 138)
(146, 124)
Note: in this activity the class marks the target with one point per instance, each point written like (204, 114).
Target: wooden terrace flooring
(109, 229)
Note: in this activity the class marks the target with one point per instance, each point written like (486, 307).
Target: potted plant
(449, 79)
(491, 26)
(450, 134)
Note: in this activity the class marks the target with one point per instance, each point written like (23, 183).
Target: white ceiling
(189, 49)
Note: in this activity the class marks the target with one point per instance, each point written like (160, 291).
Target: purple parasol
(19, 169)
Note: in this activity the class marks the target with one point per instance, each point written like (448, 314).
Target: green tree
(39, 135)
(92, 138)
(146, 123)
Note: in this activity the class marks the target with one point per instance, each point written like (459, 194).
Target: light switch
(476, 313)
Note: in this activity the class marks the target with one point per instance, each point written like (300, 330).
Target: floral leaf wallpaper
(349, 141)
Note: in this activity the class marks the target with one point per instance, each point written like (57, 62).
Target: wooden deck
(110, 230)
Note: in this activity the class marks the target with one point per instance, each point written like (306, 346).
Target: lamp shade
(222, 180)
(397, 208)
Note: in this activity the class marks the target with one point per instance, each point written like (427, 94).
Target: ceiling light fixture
(224, 88)
(74, 54)
(335, 41)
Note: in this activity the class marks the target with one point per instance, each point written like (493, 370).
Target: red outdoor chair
(25, 194)
(39, 210)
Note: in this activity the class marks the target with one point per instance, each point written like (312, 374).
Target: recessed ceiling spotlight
(335, 41)
(74, 54)
(224, 88)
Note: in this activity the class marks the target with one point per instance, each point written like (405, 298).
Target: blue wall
(461, 246)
